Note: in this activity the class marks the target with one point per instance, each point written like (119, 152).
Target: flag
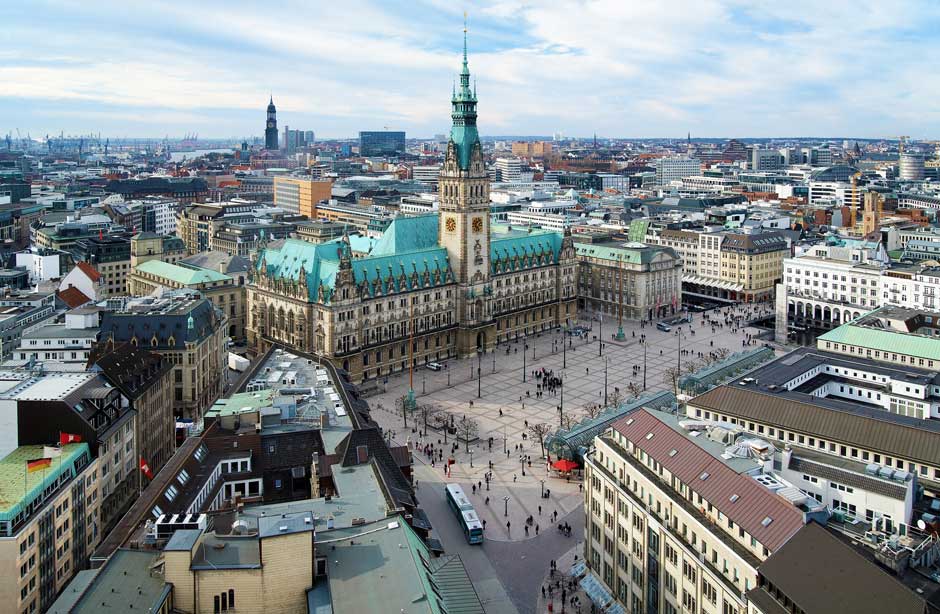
(65, 438)
(38, 464)
(146, 468)
(51, 452)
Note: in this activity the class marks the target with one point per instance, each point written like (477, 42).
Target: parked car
(663, 327)
(435, 366)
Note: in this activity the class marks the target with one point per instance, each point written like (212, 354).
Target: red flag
(65, 438)
(146, 468)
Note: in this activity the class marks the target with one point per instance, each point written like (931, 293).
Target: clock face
(477, 224)
(450, 224)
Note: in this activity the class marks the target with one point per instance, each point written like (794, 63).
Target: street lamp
(605, 381)
(543, 488)
(423, 377)
(479, 373)
(644, 365)
(600, 333)
(470, 450)
(505, 506)
(525, 347)
(522, 461)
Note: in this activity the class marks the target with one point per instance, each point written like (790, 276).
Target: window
(183, 477)
(171, 493)
(709, 592)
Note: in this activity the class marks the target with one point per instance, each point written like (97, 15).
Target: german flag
(38, 464)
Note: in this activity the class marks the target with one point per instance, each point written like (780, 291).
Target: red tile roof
(73, 297)
(89, 270)
(754, 502)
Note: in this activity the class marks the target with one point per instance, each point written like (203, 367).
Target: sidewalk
(559, 580)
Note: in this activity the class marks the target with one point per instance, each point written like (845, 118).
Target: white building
(550, 221)
(710, 184)
(427, 173)
(508, 169)
(68, 341)
(42, 265)
(765, 159)
(676, 168)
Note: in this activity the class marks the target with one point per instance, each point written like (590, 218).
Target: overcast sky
(619, 68)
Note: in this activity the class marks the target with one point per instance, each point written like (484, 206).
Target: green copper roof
(628, 255)
(182, 275)
(464, 133)
(883, 340)
(408, 233)
(507, 244)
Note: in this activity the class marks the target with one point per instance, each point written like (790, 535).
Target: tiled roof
(88, 270)
(752, 506)
(73, 297)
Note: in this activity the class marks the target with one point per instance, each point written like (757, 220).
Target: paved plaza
(515, 489)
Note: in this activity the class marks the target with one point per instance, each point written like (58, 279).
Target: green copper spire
(464, 113)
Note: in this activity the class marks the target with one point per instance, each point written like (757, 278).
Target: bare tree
(401, 406)
(567, 421)
(592, 409)
(539, 431)
(469, 428)
(634, 390)
(671, 378)
(428, 411)
(722, 353)
(689, 367)
(614, 398)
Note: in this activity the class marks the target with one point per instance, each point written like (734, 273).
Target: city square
(503, 407)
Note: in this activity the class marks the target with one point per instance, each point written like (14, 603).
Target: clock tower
(464, 229)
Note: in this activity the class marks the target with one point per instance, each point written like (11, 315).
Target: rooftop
(183, 275)
(18, 487)
(128, 581)
(819, 573)
(737, 496)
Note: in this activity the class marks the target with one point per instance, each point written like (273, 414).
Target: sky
(620, 68)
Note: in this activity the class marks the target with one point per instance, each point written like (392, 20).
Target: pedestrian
(540, 510)
(507, 526)
(536, 529)
(483, 522)
(526, 527)
(514, 477)
(543, 591)
(486, 501)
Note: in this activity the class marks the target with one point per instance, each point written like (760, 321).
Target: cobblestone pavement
(502, 404)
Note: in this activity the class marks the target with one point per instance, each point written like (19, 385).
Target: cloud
(715, 67)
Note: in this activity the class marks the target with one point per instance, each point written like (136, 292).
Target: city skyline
(718, 69)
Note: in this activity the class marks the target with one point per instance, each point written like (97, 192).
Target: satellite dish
(921, 524)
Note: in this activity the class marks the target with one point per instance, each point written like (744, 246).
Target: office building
(49, 523)
(110, 257)
(373, 143)
(186, 329)
(300, 195)
(69, 341)
(182, 189)
(765, 159)
(632, 280)
(676, 168)
(145, 378)
(152, 246)
(508, 169)
(532, 149)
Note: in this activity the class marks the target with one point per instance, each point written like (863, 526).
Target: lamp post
(605, 381)
(470, 450)
(505, 449)
(479, 375)
(522, 462)
(423, 388)
(525, 347)
(644, 365)
(564, 347)
(620, 335)
(600, 334)
(543, 488)
(505, 506)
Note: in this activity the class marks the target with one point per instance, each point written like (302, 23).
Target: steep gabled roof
(73, 297)
(89, 271)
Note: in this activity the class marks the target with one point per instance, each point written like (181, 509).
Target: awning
(565, 465)
(595, 591)
(577, 569)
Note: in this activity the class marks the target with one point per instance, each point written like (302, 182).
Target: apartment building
(49, 523)
(676, 168)
(69, 341)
